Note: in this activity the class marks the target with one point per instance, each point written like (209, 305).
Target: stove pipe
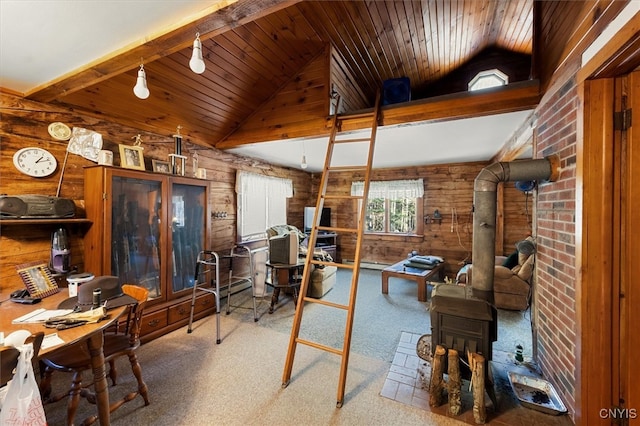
(484, 217)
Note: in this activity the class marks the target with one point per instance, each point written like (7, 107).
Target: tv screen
(325, 217)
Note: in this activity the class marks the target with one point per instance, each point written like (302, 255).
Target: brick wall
(555, 231)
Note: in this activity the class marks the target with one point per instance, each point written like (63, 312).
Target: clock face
(36, 162)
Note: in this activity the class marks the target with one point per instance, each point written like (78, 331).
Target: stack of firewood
(453, 386)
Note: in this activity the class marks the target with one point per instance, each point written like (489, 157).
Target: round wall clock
(34, 161)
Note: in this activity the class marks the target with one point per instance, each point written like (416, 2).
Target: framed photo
(161, 166)
(38, 279)
(131, 157)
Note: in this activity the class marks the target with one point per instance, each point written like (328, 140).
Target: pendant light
(140, 89)
(197, 63)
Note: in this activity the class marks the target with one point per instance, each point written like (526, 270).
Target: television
(284, 249)
(325, 218)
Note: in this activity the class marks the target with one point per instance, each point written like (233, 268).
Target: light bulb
(140, 89)
(197, 63)
(303, 165)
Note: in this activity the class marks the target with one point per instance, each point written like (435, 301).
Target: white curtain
(391, 189)
(262, 203)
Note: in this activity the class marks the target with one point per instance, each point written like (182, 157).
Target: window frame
(496, 73)
(419, 201)
(391, 187)
(249, 188)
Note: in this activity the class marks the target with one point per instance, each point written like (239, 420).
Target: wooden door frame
(598, 271)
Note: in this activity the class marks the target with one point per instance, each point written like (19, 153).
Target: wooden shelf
(43, 221)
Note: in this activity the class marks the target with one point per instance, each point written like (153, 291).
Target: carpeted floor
(192, 380)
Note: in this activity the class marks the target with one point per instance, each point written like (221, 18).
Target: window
(487, 79)
(262, 203)
(393, 207)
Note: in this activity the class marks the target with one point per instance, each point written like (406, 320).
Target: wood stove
(465, 323)
(461, 321)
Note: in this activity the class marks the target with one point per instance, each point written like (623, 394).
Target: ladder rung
(329, 228)
(326, 303)
(337, 265)
(319, 346)
(346, 168)
(343, 197)
(352, 140)
(357, 116)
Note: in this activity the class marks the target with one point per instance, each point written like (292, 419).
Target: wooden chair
(76, 359)
(9, 357)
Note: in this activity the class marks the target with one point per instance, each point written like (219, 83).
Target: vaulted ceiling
(253, 49)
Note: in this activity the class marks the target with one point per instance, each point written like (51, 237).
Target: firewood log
(454, 383)
(436, 387)
(477, 382)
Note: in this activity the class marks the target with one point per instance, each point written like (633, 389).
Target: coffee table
(420, 276)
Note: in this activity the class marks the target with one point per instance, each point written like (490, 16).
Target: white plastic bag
(23, 405)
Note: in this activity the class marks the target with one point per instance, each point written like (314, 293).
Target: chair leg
(45, 383)
(137, 371)
(113, 373)
(74, 397)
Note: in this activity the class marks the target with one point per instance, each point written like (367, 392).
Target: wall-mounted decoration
(35, 161)
(59, 131)
(131, 157)
(161, 166)
(38, 279)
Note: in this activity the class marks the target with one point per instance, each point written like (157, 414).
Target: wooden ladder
(336, 130)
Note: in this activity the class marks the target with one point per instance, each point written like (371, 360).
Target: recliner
(511, 283)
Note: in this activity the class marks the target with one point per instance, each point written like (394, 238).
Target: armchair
(512, 277)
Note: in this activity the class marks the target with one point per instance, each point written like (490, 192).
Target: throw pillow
(511, 261)
(526, 270)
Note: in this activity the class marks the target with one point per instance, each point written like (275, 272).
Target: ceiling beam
(223, 16)
(514, 97)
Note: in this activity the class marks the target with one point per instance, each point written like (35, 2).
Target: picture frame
(160, 166)
(38, 279)
(131, 157)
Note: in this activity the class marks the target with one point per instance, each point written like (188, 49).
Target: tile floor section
(405, 383)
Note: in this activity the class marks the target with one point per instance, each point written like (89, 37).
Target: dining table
(91, 334)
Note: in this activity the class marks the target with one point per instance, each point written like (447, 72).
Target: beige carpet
(193, 381)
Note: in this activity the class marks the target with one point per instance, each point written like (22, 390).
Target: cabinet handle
(154, 323)
(182, 311)
(205, 302)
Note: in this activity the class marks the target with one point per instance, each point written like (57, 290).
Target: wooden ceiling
(254, 48)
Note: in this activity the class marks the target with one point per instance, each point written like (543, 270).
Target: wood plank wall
(448, 188)
(24, 123)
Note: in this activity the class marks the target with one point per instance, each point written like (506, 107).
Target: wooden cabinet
(147, 229)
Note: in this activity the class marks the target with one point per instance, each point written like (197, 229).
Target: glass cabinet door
(135, 227)
(187, 232)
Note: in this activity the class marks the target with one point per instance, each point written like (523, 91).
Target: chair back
(9, 357)
(134, 317)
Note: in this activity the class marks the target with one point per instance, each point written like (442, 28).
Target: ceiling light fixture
(140, 89)
(197, 63)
